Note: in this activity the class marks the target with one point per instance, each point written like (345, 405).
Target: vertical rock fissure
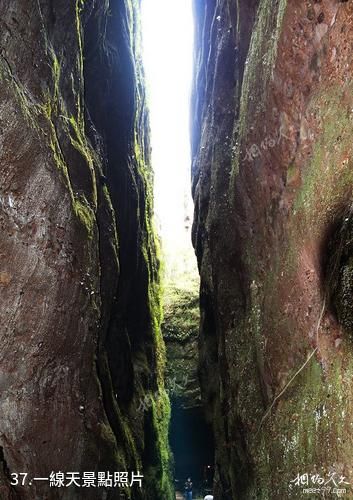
(130, 353)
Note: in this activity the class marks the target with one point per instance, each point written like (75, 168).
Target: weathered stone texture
(272, 182)
(79, 302)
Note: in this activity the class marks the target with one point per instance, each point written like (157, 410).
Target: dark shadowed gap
(167, 28)
(191, 440)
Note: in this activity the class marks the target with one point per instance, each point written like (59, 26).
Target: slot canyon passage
(85, 372)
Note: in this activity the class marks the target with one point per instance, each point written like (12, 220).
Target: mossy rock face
(344, 297)
(180, 329)
(132, 357)
(272, 178)
(181, 316)
(79, 264)
(338, 272)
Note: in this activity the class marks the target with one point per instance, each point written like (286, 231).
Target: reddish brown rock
(272, 181)
(79, 314)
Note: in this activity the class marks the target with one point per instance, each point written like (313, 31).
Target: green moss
(307, 429)
(79, 142)
(47, 118)
(152, 257)
(41, 117)
(292, 173)
(328, 178)
(310, 424)
(339, 271)
(259, 69)
(120, 431)
(159, 481)
(85, 214)
(180, 329)
(81, 207)
(181, 314)
(112, 452)
(79, 7)
(158, 475)
(56, 74)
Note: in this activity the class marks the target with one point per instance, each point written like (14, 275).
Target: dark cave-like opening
(337, 269)
(191, 440)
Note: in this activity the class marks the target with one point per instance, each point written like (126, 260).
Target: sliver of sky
(167, 35)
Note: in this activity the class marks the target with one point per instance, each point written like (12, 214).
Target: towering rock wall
(272, 183)
(82, 359)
